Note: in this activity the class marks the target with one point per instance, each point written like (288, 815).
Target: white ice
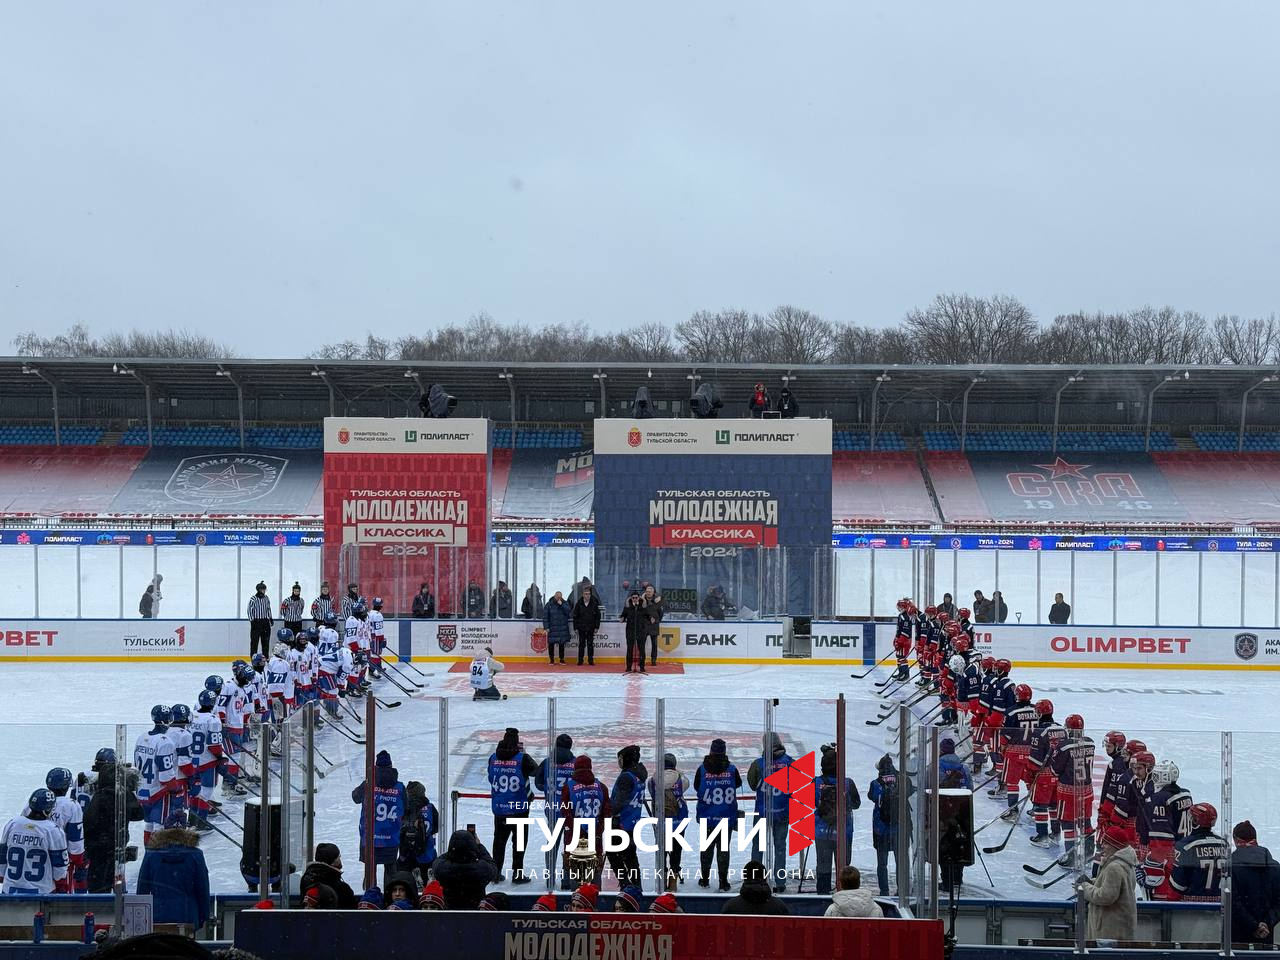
(60, 714)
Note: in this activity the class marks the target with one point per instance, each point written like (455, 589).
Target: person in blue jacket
(173, 871)
(716, 783)
(826, 819)
(389, 803)
(628, 804)
(509, 771)
(883, 794)
(773, 805)
(672, 810)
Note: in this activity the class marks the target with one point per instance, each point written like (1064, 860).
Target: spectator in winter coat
(999, 609)
(389, 801)
(586, 620)
(826, 820)
(475, 601)
(850, 900)
(1060, 612)
(557, 620)
(402, 892)
(653, 612)
(532, 604)
(754, 896)
(147, 605)
(326, 870)
(418, 831)
(464, 871)
(982, 611)
(1255, 888)
(424, 603)
(672, 809)
(788, 406)
(948, 605)
(883, 794)
(100, 827)
(636, 624)
(759, 402)
(952, 773)
(173, 871)
(501, 602)
(1113, 909)
(714, 604)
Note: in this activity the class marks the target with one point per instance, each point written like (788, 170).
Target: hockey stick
(908, 702)
(1013, 826)
(232, 820)
(894, 678)
(346, 732)
(405, 690)
(406, 662)
(351, 712)
(1045, 885)
(859, 676)
(1061, 861)
(224, 833)
(402, 675)
(385, 705)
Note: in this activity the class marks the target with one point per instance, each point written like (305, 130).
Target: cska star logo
(797, 780)
(633, 437)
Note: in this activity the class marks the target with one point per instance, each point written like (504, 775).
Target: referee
(291, 609)
(260, 620)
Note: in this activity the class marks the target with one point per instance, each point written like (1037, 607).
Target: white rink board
(1091, 646)
(690, 641)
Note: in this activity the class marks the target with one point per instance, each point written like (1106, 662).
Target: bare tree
(796, 335)
(1252, 342)
(77, 342)
(959, 328)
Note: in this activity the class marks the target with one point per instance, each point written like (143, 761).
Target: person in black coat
(557, 620)
(100, 826)
(633, 616)
(326, 869)
(1255, 888)
(586, 620)
(464, 871)
(755, 896)
(654, 611)
(1060, 612)
(424, 603)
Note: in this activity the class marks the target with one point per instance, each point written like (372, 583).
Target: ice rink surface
(60, 714)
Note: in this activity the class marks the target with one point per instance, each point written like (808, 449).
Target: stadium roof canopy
(357, 379)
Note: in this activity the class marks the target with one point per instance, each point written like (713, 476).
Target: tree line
(953, 328)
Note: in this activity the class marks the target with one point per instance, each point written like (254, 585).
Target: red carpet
(570, 668)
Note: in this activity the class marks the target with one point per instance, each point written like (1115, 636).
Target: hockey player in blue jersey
(1200, 859)
(33, 850)
(1170, 823)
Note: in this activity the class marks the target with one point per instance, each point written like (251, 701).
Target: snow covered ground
(63, 720)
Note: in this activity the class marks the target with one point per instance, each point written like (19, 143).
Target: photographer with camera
(100, 820)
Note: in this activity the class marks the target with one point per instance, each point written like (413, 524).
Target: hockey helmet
(162, 715)
(1023, 692)
(104, 756)
(931, 611)
(377, 603)
(1164, 773)
(258, 662)
(181, 714)
(1204, 815)
(1003, 667)
(956, 664)
(1074, 724)
(1044, 708)
(963, 613)
(281, 650)
(213, 683)
(360, 611)
(206, 699)
(1114, 741)
(988, 663)
(284, 635)
(1134, 747)
(59, 778)
(961, 643)
(42, 801)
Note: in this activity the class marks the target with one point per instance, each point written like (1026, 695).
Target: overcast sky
(276, 172)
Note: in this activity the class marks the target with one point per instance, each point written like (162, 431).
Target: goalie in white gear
(483, 669)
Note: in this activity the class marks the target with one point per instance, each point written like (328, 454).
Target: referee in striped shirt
(260, 620)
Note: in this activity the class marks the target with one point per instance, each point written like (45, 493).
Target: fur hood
(173, 837)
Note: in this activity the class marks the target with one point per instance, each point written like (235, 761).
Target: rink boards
(691, 642)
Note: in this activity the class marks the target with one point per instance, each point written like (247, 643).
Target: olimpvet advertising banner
(1084, 645)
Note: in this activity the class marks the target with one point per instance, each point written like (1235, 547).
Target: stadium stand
(1224, 487)
(1033, 440)
(887, 440)
(1220, 440)
(537, 438)
(49, 481)
(75, 436)
(279, 438)
(879, 487)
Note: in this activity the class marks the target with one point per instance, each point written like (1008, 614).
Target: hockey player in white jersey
(357, 640)
(377, 638)
(330, 665)
(33, 850)
(206, 754)
(234, 711)
(68, 815)
(280, 679)
(179, 732)
(293, 655)
(483, 669)
(154, 759)
(308, 665)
